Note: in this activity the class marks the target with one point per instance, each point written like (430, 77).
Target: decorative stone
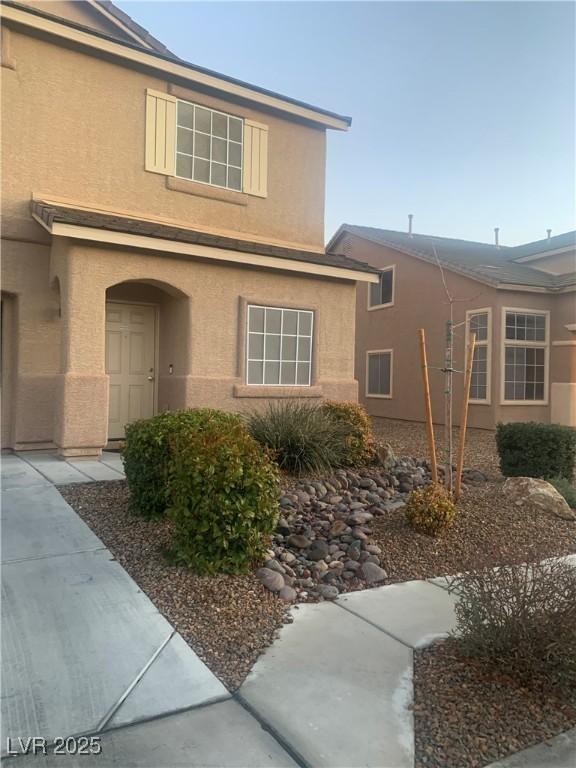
(338, 527)
(374, 549)
(288, 594)
(318, 550)
(328, 591)
(538, 495)
(298, 541)
(303, 497)
(274, 565)
(282, 527)
(270, 579)
(373, 573)
(287, 557)
(354, 550)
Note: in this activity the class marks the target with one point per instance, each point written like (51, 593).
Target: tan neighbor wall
(69, 407)
(74, 127)
(420, 301)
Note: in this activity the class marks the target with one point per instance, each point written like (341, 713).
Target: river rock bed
(322, 545)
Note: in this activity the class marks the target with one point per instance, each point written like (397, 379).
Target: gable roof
(539, 248)
(491, 264)
(171, 68)
(108, 9)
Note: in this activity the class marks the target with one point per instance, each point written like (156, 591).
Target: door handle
(150, 378)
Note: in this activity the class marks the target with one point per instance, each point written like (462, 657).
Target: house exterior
(520, 301)
(162, 241)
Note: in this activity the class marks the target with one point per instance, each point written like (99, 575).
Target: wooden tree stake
(464, 414)
(428, 406)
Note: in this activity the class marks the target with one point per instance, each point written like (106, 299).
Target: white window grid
(298, 336)
(379, 353)
(479, 321)
(392, 270)
(230, 167)
(518, 323)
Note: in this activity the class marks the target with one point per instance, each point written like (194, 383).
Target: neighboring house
(520, 301)
(162, 235)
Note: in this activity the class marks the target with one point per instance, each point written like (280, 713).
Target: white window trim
(379, 352)
(391, 268)
(241, 142)
(488, 345)
(247, 360)
(523, 343)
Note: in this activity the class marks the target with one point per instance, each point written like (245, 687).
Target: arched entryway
(146, 351)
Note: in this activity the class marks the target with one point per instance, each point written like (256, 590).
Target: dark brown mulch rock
(227, 620)
(468, 715)
(488, 530)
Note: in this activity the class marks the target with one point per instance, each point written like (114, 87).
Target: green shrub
(522, 618)
(223, 492)
(430, 509)
(530, 449)
(361, 443)
(566, 489)
(146, 455)
(302, 438)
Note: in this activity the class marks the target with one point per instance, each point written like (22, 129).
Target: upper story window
(203, 145)
(209, 146)
(480, 324)
(279, 348)
(525, 356)
(381, 294)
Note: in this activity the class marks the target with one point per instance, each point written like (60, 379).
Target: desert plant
(361, 443)
(302, 438)
(530, 449)
(223, 495)
(146, 454)
(566, 489)
(430, 509)
(522, 618)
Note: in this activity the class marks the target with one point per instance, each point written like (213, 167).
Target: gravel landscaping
(467, 715)
(408, 438)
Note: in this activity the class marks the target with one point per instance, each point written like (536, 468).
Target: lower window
(279, 346)
(524, 373)
(379, 373)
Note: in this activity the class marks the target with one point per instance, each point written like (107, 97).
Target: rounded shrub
(360, 442)
(430, 509)
(146, 454)
(302, 437)
(223, 494)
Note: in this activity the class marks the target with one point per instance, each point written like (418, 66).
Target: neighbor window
(379, 373)
(479, 323)
(279, 346)
(208, 146)
(381, 294)
(525, 356)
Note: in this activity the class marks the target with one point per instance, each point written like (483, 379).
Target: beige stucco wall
(74, 127)
(420, 302)
(61, 395)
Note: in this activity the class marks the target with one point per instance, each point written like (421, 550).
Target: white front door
(130, 364)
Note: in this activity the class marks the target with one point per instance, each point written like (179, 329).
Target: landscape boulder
(539, 495)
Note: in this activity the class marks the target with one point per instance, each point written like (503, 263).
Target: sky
(463, 113)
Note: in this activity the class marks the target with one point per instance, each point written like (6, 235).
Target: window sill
(380, 397)
(254, 390)
(381, 306)
(205, 190)
(524, 402)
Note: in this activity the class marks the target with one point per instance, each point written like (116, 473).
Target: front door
(130, 364)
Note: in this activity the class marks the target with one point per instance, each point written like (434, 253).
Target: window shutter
(255, 180)
(160, 133)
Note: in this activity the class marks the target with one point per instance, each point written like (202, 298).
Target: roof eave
(169, 66)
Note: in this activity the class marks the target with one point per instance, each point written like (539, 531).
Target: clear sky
(463, 112)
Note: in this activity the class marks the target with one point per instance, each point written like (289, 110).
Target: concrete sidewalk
(83, 648)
